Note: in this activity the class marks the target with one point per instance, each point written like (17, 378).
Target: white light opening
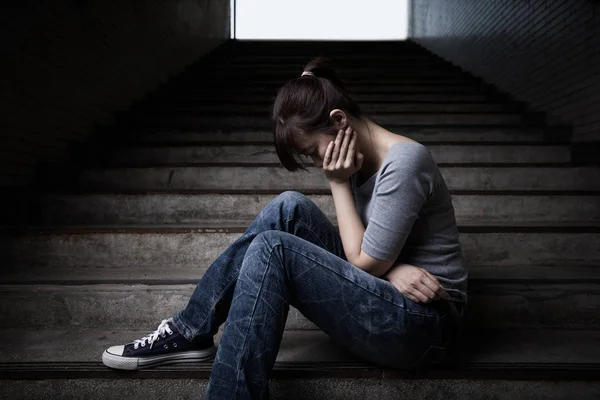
(320, 19)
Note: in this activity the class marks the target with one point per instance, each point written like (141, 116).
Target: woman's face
(315, 146)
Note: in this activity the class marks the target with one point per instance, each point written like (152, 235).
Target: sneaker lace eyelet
(166, 346)
(174, 344)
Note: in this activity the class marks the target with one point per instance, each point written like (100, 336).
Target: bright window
(321, 19)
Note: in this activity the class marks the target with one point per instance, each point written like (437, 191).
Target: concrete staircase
(134, 221)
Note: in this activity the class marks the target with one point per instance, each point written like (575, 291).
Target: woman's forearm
(351, 227)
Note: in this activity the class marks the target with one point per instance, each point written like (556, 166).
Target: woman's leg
(209, 304)
(364, 313)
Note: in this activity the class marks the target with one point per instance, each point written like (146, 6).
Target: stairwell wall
(72, 64)
(543, 52)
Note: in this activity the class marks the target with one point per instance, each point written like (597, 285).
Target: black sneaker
(164, 346)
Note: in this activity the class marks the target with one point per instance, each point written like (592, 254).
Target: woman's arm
(339, 163)
(352, 231)
(351, 227)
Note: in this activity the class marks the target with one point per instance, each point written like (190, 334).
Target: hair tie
(307, 73)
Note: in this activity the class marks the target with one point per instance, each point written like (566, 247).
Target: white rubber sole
(132, 363)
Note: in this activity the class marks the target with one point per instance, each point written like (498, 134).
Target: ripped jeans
(291, 254)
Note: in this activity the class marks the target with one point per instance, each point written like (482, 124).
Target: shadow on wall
(545, 55)
(71, 65)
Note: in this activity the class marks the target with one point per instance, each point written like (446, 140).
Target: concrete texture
(382, 88)
(309, 348)
(369, 107)
(274, 178)
(260, 122)
(255, 154)
(423, 135)
(496, 305)
(361, 97)
(134, 247)
(190, 274)
(181, 209)
(348, 58)
(315, 389)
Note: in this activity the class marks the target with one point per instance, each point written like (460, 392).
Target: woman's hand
(340, 161)
(415, 283)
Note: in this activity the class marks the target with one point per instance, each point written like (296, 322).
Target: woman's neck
(374, 148)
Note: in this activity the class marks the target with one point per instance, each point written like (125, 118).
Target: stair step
(340, 63)
(187, 274)
(348, 72)
(423, 135)
(485, 355)
(253, 154)
(319, 383)
(216, 109)
(193, 80)
(255, 179)
(363, 98)
(257, 87)
(495, 305)
(478, 348)
(114, 247)
(351, 52)
(425, 72)
(340, 59)
(264, 121)
(362, 47)
(173, 208)
(337, 62)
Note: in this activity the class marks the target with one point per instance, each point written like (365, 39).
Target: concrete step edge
(492, 354)
(240, 227)
(518, 274)
(524, 166)
(216, 143)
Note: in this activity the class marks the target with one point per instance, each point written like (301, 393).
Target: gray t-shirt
(408, 215)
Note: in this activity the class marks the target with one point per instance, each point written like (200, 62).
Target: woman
(355, 285)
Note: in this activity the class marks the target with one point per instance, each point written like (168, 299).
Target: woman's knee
(266, 239)
(288, 201)
(260, 249)
(292, 197)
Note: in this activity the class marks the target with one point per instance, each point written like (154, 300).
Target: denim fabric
(291, 254)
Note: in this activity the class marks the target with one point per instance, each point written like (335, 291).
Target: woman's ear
(340, 120)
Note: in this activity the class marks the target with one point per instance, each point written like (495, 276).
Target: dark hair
(302, 106)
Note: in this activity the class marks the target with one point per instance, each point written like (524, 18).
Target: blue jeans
(292, 254)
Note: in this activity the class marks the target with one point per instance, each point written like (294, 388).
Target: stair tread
(478, 348)
(419, 134)
(29, 277)
(258, 153)
(258, 178)
(237, 225)
(269, 144)
(538, 167)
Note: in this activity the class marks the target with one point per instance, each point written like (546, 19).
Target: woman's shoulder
(411, 154)
(412, 161)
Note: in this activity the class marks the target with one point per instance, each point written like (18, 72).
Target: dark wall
(546, 53)
(71, 64)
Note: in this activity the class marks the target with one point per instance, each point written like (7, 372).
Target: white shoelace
(164, 326)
